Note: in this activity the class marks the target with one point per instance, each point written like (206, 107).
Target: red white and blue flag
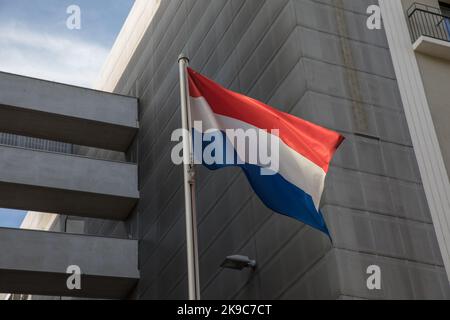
(305, 149)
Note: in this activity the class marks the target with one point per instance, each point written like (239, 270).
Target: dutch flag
(305, 149)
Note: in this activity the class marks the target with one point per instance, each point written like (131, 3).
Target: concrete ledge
(35, 262)
(72, 185)
(54, 111)
(433, 47)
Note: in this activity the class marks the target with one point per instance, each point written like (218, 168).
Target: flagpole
(189, 184)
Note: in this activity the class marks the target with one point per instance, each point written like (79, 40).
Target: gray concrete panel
(65, 113)
(66, 184)
(36, 263)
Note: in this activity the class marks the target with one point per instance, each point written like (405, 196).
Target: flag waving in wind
(295, 184)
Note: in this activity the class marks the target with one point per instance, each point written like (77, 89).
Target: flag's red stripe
(313, 142)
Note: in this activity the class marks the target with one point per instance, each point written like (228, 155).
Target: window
(445, 9)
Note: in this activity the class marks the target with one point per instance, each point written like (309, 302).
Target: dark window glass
(445, 8)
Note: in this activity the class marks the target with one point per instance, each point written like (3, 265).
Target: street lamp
(238, 262)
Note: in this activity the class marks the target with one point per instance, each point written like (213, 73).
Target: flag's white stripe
(294, 167)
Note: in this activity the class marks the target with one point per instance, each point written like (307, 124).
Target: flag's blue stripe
(280, 195)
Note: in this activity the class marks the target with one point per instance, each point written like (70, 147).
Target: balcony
(54, 111)
(35, 262)
(430, 30)
(66, 184)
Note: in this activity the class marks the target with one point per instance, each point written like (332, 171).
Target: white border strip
(293, 166)
(431, 163)
(129, 38)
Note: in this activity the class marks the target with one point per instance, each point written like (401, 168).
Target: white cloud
(51, 57)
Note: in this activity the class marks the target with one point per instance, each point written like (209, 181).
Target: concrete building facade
(315, 59)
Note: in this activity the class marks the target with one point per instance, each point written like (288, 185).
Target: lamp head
(238, 262)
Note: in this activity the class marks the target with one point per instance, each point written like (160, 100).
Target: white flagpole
(189, 184)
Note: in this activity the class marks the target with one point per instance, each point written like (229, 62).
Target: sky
(35, 41)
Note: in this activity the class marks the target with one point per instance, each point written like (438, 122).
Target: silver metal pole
(189, 184)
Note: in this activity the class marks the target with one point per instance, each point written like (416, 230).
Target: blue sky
(35, 41)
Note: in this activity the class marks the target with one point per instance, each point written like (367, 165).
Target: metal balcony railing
(428, 21)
